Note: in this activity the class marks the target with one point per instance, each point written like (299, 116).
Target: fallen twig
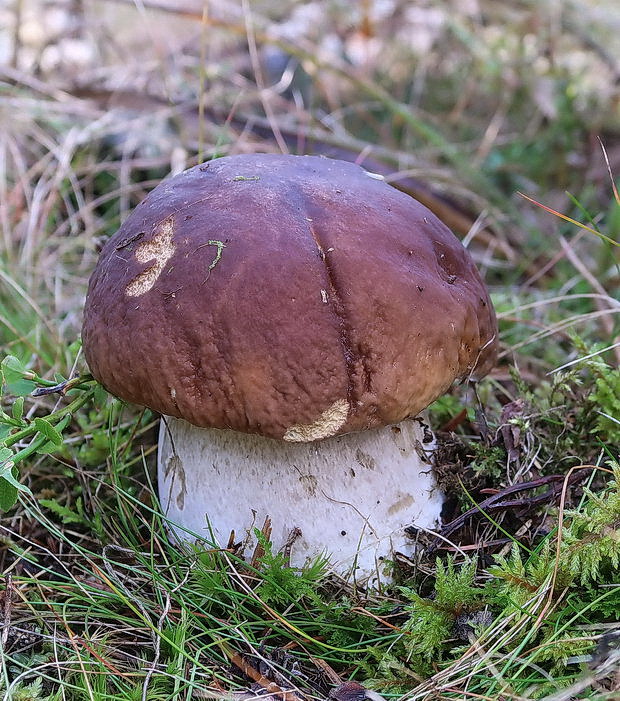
(498, 501)
(256, 676)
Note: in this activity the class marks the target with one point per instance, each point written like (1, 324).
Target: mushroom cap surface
(296, 297)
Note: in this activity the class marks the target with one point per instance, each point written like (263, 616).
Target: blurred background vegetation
(461, 103)
(464, 104)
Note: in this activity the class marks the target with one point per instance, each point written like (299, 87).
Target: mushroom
(290, 316)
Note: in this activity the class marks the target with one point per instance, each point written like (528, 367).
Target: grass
(521, 599)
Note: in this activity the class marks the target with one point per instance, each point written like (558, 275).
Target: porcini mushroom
(291, 316)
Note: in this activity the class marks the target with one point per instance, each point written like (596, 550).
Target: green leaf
(21, 388)
(8, 472)
(16, 376)
(46, 429)
(54, 435)
(17, 409)
(66, 514)
(8, 495)
(9, 486)
(13, 369)
(100, 396)
(46, 448)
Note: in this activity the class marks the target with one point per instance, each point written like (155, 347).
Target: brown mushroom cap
(292, 296)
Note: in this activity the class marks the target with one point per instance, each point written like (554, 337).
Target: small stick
(499, 502)
(256, 676)
(330, 673)
(286, 548)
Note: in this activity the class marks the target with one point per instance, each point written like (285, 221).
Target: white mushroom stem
(351, 497)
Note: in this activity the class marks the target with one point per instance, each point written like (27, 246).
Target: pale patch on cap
(160, 249)
(328, 424)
